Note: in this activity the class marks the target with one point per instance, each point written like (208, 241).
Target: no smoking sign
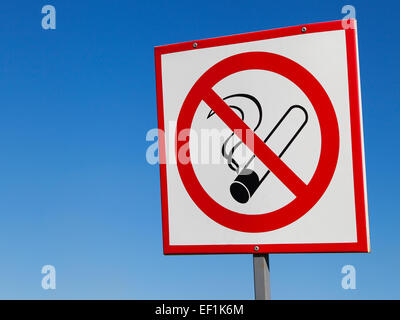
(286, 171)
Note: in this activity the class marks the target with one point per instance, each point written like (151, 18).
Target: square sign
(261, 142)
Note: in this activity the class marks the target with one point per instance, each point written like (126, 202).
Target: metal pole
(262, 287)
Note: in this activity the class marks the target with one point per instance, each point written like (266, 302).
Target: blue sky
(76, 191)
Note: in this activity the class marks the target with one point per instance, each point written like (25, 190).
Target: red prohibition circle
(329, 142)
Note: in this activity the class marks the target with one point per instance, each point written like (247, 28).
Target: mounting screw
(303, 29)
(195, 45)
(256, 248)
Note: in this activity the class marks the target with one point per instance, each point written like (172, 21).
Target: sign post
(288, 175)
(262, 285)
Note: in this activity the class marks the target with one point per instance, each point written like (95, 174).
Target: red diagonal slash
(259, 148)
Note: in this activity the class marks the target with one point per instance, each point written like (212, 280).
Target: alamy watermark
(348, 21)
(49, 280)
(349, 280)
(49, 20)
(204, 146)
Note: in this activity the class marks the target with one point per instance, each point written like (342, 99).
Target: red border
(362, 244)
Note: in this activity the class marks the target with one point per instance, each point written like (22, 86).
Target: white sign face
(263, 148)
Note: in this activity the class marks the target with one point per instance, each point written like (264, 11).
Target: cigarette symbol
(279, 140)
(248, 180)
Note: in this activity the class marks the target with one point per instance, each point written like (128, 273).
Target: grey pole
(262, 287)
